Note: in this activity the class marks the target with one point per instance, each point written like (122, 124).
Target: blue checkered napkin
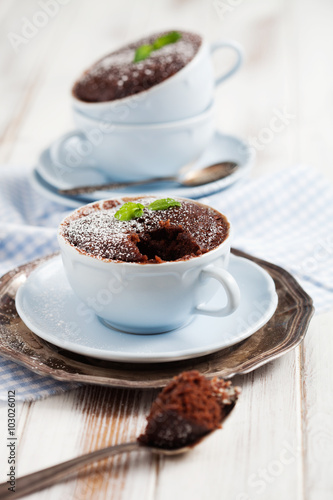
(27, 230)
(27, 221)
(286, 218)
(28, 385)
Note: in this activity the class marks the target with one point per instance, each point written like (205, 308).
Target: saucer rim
(160, 358)
(39, 184)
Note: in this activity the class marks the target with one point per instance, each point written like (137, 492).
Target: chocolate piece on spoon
(189, 408)
(199, 177)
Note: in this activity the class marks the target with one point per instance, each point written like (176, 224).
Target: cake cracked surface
(116, 75)
(177, 233)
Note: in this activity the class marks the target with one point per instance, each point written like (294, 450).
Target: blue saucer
(48, 306)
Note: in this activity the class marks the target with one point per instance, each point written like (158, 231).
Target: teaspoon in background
(199, 177)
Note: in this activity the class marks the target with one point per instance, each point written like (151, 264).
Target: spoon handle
(113, 185)
(51, 475)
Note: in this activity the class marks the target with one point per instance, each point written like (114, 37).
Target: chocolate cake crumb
(116, 75)
(187, 409)
(178, 233)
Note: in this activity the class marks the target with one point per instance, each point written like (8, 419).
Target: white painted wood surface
(279, 442)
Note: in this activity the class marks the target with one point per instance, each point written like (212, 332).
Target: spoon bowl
(209, 174)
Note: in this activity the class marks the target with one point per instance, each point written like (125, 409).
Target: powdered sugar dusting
(98, 233)
(116, 75)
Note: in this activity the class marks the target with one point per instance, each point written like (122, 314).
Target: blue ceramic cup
(185, 94)
(133, 152)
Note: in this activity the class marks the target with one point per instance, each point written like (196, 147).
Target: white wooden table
(279, 442)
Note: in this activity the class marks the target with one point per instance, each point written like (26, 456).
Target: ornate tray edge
(303, 319)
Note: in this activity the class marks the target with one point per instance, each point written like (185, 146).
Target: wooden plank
(49, 113)
(51, 434)
(111, 417)
(250, 103)
(317, 389)
(315, 81)
(22, 414)
(61, 427)
(25, 68)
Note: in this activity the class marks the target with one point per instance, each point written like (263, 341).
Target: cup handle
(231, 288)
(60, 156)
(239, 51)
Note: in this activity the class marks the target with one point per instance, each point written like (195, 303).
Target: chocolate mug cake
(137, 66)
(146, 265)
(145, 230)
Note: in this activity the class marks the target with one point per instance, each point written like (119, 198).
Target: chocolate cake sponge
(116, 75)
(178, 233)
(187, 409)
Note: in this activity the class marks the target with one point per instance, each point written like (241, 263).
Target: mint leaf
(142, 53)
(129, 211)
(164, 204)
(171, 37)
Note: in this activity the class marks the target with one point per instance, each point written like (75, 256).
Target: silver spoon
(37, 481)
(191, 179)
